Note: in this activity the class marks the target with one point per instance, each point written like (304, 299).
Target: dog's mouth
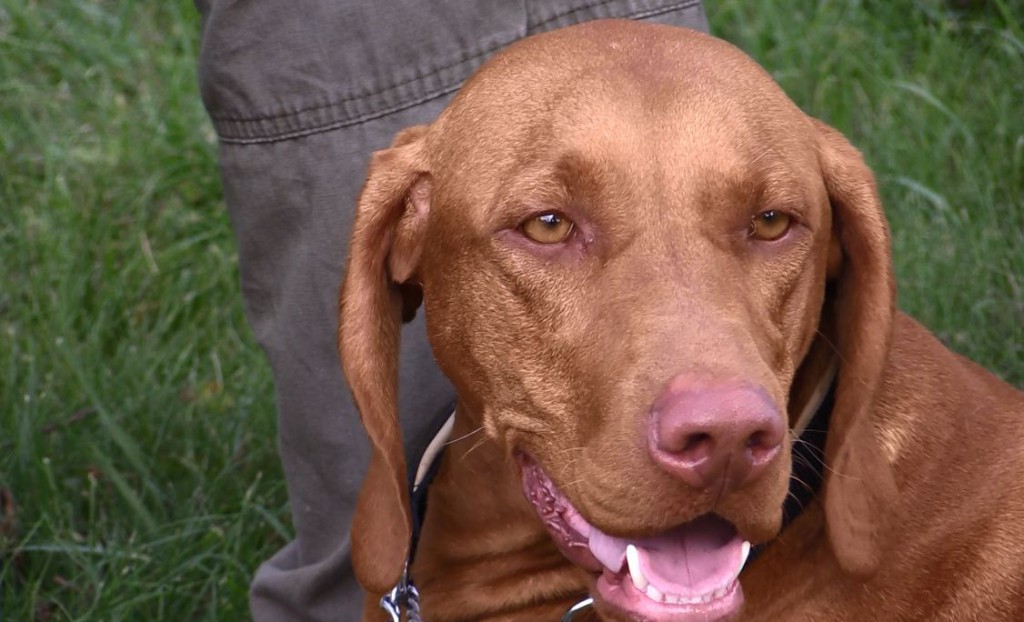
(686, 574)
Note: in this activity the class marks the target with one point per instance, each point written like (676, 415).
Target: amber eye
(547, 228)
(770, 225)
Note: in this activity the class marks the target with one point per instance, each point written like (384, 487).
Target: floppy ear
(387, 241)
(860, 489)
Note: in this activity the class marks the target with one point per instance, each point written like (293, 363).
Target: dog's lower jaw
(686, 574)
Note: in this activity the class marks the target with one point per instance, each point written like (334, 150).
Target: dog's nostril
(756, 440)
(762, 445)
(695, 448)
(695, 441)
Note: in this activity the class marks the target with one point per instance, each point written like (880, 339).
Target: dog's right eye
(770, 225)
(547, 228)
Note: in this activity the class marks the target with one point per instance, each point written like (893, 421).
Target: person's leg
(290, 205)
(300, 93)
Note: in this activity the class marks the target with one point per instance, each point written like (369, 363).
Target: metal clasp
(403, 596)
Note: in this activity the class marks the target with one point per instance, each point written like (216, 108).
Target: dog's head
(627, 241)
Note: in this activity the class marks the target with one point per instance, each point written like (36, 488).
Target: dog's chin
(689, 573)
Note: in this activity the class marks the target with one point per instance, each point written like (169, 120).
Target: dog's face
(604, 238)
(629, 231)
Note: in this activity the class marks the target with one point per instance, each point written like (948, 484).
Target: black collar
(808, 457)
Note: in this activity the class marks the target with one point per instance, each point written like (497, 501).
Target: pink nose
(718, 436)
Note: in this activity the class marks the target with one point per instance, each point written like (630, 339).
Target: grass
(138, 479)
(137, 414)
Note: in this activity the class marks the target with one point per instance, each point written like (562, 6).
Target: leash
(808, 453)
(404, 597)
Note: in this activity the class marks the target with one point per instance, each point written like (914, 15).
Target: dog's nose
(715, 436)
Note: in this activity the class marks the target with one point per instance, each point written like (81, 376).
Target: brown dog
(639, 262)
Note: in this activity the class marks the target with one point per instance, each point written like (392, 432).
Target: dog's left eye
(770, 225)
(547, 228)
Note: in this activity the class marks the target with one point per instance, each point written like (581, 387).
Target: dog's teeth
(635, 573)
(745, 555)
(655, 594)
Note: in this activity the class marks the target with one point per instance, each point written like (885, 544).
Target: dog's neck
(481, 534)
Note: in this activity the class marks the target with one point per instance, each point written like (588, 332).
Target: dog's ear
(860, 490)
(387, 241)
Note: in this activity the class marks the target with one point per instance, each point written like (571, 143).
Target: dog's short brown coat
(661, 144)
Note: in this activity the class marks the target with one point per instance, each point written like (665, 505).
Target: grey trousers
(300, 93)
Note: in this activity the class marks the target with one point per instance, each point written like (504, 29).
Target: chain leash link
(402, 597)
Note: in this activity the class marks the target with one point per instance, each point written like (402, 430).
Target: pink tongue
(688, 560)
(693, 558)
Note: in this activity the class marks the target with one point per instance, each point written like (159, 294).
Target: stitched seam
(437, 70)
(364, 96)
(666, 9)
(637, 15)
(339, 124)
(443, 90)
(555, 18)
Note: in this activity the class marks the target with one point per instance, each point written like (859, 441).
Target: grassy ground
(137, 473)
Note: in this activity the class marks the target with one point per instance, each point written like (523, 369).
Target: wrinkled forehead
(677, 130)
(657, 100)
